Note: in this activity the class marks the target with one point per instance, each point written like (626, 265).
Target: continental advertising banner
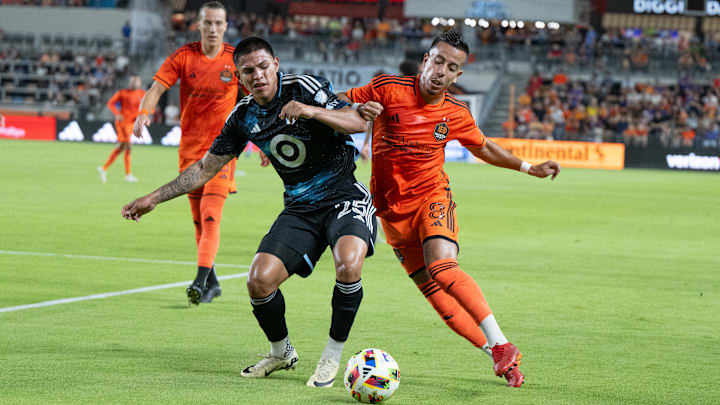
(587, 155)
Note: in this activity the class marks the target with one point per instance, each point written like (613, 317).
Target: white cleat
(325, 373)
(269, 364)
(102, 173)
(131, 179)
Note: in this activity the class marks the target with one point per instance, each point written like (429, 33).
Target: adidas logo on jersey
(255, 129)
(192, 75)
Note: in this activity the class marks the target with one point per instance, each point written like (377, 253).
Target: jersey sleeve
(111, 104)
(325, 95)
(233, 138)
(468, 133)
(169, 72)
(363, 94)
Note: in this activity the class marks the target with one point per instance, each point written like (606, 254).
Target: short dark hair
(249, 45)
(213, 4)
(409, 67)
(452, 38)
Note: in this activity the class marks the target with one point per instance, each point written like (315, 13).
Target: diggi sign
(588, 155)
(28, 127)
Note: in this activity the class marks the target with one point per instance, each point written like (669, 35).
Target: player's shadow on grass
(179, 306)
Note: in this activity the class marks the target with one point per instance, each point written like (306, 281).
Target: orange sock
(452, 313)
(448, 275)
(111, 158)
(127, 162)
(194, 198)
(211, 206)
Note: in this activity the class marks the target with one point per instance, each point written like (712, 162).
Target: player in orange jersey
(416, 117)
(208, 92)
(129, 100)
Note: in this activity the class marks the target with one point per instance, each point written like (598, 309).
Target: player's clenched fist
(370, 110)
(140, 121)
(138, 208)
(294, 110)
(545, 169)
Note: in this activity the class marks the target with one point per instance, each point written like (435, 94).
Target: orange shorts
(124, 130)
(223, 180)
(435, 218)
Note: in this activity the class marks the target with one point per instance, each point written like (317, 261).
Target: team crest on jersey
(321, 97)
(441, 131)
(226, 76)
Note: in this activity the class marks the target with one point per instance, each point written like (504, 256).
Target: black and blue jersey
(314, 161)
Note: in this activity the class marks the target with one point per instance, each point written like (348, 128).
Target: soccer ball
(372, 376)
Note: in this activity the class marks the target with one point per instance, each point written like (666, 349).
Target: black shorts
(299, 238)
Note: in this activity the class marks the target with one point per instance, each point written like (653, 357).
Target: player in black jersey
(301, 125)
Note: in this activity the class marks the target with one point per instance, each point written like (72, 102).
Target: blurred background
(639, 74)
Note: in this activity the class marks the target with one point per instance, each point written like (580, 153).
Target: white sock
(487, 350)
(492, 331)
(333, 349)
(281, 349)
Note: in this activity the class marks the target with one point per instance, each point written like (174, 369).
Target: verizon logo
(693, 161)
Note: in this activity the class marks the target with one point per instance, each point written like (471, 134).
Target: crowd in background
(60, 78)
(602, 110)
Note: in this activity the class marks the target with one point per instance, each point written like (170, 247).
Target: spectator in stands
(126, 31)
(711, 136)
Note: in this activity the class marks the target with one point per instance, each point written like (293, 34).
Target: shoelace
(266, 358)
(498, 352)
(324, 369)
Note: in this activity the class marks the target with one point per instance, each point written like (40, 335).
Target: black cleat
(209, 292)
(194, 294)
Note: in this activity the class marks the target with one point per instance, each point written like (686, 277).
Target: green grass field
(608, 282)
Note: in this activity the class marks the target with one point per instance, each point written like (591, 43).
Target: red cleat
(514, 377)
(505, 356)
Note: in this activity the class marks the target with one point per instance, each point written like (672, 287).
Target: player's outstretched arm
(344, 120)
(497, 156)
(191, 178)
(148, 103)
(369, 111)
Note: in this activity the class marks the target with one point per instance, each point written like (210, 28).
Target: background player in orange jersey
(129, 100)
(208, 92)
(416, 117)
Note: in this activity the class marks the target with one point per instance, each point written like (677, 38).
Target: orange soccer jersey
(409, 140)
(208, 92)
(129, 101)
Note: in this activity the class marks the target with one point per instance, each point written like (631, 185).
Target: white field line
(110, 294)
(110, 258)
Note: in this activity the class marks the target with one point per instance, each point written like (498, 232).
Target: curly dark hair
(453, 39)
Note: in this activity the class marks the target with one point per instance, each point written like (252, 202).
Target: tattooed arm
(191, 178)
